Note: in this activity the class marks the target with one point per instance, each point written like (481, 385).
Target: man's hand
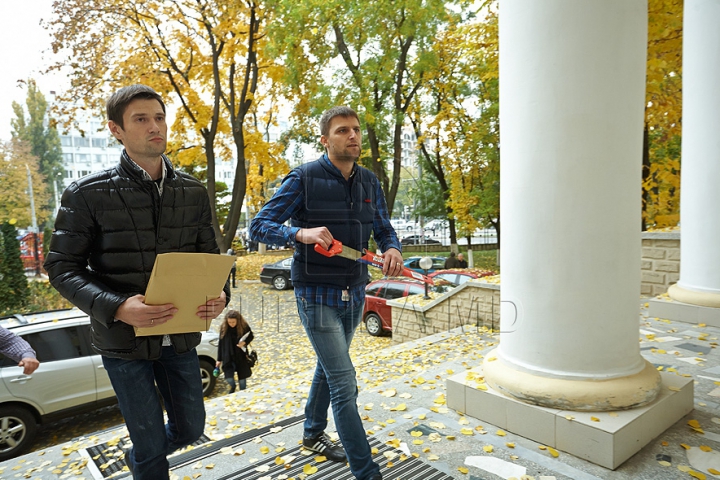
(133, 311)
(319, 235)
(29, 365)
(393, 264)
(212, 308)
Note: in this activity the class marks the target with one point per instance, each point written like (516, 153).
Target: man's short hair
(118, 101)
(333, 112)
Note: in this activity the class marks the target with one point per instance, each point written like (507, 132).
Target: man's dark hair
(332, 113)
(118, 101)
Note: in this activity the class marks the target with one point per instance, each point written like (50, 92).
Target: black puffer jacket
(109, 229)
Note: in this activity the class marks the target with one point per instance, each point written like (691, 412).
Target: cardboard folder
(187, 280)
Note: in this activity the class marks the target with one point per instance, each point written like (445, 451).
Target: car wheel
(17, 431)
(280, 282)
(208, 379)
(373, 324)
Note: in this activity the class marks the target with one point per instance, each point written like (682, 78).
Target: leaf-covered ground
(280, 341)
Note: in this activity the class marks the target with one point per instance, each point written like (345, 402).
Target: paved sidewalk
(402, 403)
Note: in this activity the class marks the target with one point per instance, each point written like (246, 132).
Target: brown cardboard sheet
(187, 280)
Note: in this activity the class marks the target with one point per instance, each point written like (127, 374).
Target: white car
(71, 378)
(436, 226)
(401, 225)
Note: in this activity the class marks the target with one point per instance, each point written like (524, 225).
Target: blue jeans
(330, 331)
(178, 380)
(230, 379)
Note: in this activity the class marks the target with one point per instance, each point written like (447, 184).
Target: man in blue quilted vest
(326, 199)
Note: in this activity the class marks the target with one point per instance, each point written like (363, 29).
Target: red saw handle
(335, 248)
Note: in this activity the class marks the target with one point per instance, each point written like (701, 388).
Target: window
(82, 157)
(57, 344)
(438, 263)
(65, 141)
(68, 157)
(99, 158)
(394, 290)
(416, 290)
(99, 142)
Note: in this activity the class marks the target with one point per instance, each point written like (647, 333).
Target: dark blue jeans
(331, 331)
(178, 380)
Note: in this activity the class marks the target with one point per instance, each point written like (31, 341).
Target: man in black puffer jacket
(109, 229)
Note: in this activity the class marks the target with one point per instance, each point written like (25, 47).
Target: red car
(377, 315)
(459, 276)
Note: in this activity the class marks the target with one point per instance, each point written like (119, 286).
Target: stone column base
(567, 394)
(704, 299)
(606, 438)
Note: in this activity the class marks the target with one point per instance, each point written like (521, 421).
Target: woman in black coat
(235, 336)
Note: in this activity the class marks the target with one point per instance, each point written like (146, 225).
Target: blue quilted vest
(347, 209)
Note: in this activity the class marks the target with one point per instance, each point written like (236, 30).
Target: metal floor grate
(409, 469)
(107, 460)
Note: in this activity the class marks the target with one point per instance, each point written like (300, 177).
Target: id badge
(345, 296)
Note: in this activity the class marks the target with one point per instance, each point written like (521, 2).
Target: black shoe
(324, 446)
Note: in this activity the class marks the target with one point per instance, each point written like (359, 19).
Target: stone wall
(660, 265)
(474, 303)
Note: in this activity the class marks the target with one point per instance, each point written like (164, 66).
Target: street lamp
(426, 263)
(34, 221)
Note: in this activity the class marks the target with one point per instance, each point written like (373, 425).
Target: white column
(572, 83)
(700, 185)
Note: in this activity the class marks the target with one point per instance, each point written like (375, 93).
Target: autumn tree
(16, 160)
(13, 282)
(40, 132)
(456, 122)
(207, 60)
(370, 55)
(663, 114)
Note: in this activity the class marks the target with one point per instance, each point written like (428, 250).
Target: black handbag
(251, 357)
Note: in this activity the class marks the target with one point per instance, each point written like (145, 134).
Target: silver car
(71, 378)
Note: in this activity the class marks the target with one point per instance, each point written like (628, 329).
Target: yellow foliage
(663, 113)
(14, 157)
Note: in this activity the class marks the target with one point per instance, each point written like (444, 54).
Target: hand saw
(337, 248)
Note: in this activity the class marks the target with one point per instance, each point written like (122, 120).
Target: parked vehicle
(377, 315)
(277, 274)
(419, 240)
(71, 378)
(401, 225)
(458, 276)
(413, 263)
(436, 226)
